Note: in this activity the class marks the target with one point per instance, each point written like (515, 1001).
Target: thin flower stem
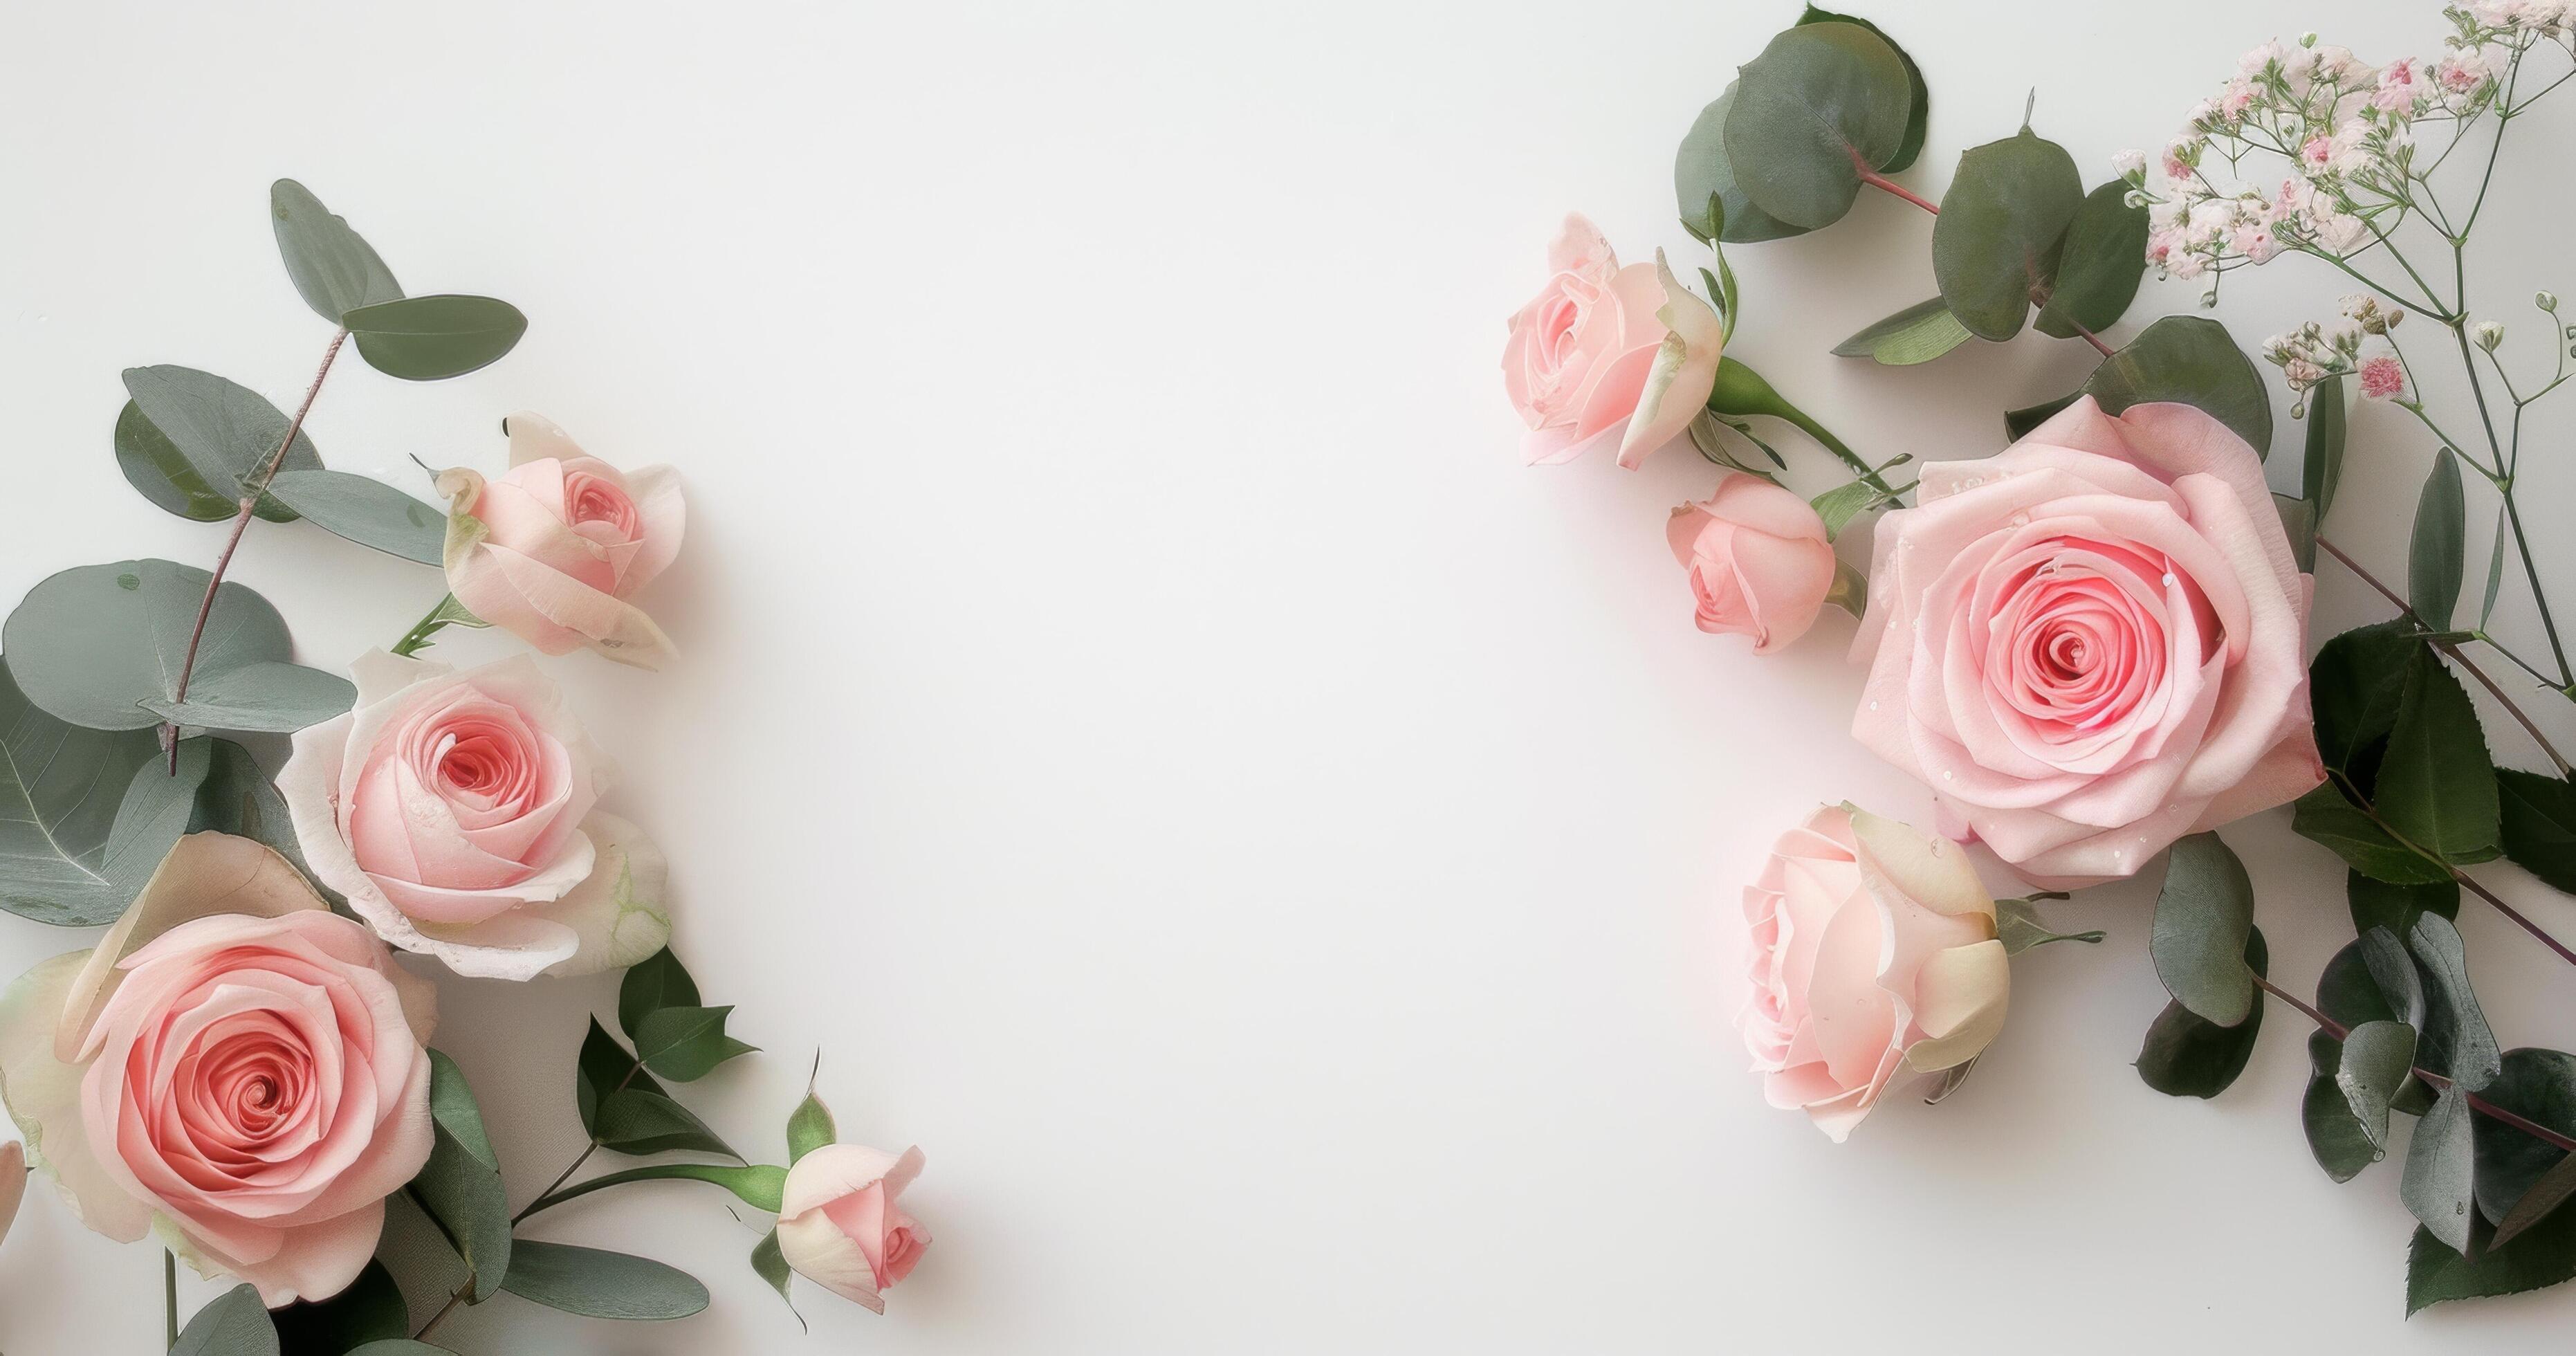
(252, 489)
(583, 1157)
(2476, 1103)
(2454, 654)
(443, 1311)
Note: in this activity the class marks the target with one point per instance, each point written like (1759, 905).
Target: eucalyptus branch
(2476, 1103)
(2463, 879)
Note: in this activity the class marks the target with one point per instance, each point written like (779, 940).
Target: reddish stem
(2476, 1103)
(252, 489)
(1884, 184)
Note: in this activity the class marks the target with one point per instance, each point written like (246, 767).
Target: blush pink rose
(1759, 561)
(457, 812)
(839, 1224)
(1873, 956)
(1608, 356)
(551, 550)
(2092, 643)
(234, 1066)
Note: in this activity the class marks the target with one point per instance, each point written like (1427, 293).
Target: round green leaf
(333, 269)
(1917, 334)
(436, 337)
(2098, 269)
(234, 1324)
(2190, 359)
(157, 470)
(2186, 1055)
(596, 1283)
(61, 787)
(1995, 245)
(92, 644)
(1918, 108)
(223, 430)
(2335, 1136)
(1822, 101)
(2198, 940)
(1701, 172)
(366, 511)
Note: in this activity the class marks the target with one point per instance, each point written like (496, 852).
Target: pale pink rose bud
(839, 1224)
(551, 549)
(1760, 563)
(13, 1183)
(1873, 957)
(1580, 352)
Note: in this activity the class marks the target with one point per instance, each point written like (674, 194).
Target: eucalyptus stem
(2476, 1103)
(2462, 878)
(252, 489)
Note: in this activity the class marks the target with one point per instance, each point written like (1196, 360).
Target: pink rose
(1873, 955)
(455, 810)
(1607, 354)
(234, 1065)
(2092, 643)
(1759, 561)
(551, 550)
(839, 1226)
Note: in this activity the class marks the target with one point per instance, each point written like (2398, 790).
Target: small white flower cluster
(2316, 351)
(2345, 127)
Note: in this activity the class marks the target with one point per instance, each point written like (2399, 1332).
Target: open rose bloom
(457, 812)
(2092, 643)
(551, 550)
(1873, 957)
(839, 1223)
(1606, 356)
(234, 1067)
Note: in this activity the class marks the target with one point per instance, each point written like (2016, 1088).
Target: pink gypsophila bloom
(2382, 377)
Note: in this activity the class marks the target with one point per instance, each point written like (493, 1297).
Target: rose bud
(839, 1225)
(1759, 561)
(1873, 956)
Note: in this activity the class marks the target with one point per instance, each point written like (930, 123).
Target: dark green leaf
(2190, 359)
(2299, 522)
(1917, 334)
(60, 789)
(1701, 172)
(2396, 973)
(759, 1185)
(1818, 103)
(2188, 1056)
(92, 644)
(628, 1110)
(370, 1310)
(333, 270)
(2457, 1042)
(2323, 816)
(2321, 471)
(366, 511)
(2335, 1136)
(2537, 819)
(2098, 269)
(809, 1127)
(1918, 112)
(658, 981)
(684, 1044)
(436, 337)
(224, 430)
(2349, 993)
(460, 1187)
(2543, 1256)
(2378, 904)
(2539, 1086)
(2433, 561)
(156, 468)
(238, 798)
(2437, 789)
(1995, 244)
(2202, 917)
(2019, 423)
(269, 697)
(2537, 1204)
(235, 1324)
(600, 1284)
(2441, 1165)
(2378, 1058)
(2354, 685)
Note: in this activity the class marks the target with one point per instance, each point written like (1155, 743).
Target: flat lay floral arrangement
(243, 1066)
(2092, 646)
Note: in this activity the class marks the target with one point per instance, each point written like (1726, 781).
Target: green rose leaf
(235, 1324)
(366, 511)
(2203, 916)
(2539, 1086)
(1995, 245)
(2186, 1055)
(656, 982)
(2378, 1058)
(2539, 1203)
(224, 432)
(2378, 904)
(1917, 334)
(460, 1187)
(2321, 471)
(1821, 102)
(370, 1310)
(332, 268)
(685, 1044)
(436, 337)
(62, 860)
(2324, 817)
(2098, 267)
(2190, 359)
(595, 1283)
(2456, 1040)
(2537, 821)
(2437, 789)
(1701, 172)
(628, 1111)
(2441, 1163)
(1918, 110)
(270, 697)
(158, 470)
(2354, 685)
(2543, 1256)
(2335, 1135)
(92, 645)
(809, 1127)
(2433, 561)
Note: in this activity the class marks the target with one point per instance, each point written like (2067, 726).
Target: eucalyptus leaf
(238, 798)
(400, 1346)
(2397, 974)
(2441, 1164)
(2539, 1086)
(596, 1283)
(268, 696)
(435, 337)
(2335, 1136)
(2436, 787)
(60, 789)
(460, 1187)
(2189, 359)
(92, 644)
(2378, 1058)
(2203, 914)
(2537, 822)
(1917, 334)
(2099, 266)
(223, 430)
(1995, 245)
(1821, 102)
(2321, 469)
(155, 810)
(160, 472)
(366, 511)
(2433, 560)
(1701, 173)
(1918, 110)
(2186, 1055)
(2299, 523)
(2378, 904)
(234, 1324)
(332, 268)
(2457, 1042)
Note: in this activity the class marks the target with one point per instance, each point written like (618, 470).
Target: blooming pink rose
(13, 1184)
(1608, 355)
(1759, 561)
(839, 1225)
(1873, 955)
(551, 550)
(2092, 643)
(234, 1065)
(456, 812)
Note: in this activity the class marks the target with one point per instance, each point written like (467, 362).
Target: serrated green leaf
(2099, 266)
(2378, 904)
(2433, 559)
(1995, 245)
(2537, 822)
(1917, 334)
(2321, 469)
(658, 981)
(2543, 1256)
(685, 1044)
(223, 430)
(2537, 1204)
(596, 1283)
(1819, 98)
(2437, 789)
(436, 337)
(771, 1263)
(2186, 1055)
(2203, 914)
(2354, 685)
(2324, 817)
(2190, 359)
(366, 511)
(332, 268)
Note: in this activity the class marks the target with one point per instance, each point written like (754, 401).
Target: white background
(1139, 719)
